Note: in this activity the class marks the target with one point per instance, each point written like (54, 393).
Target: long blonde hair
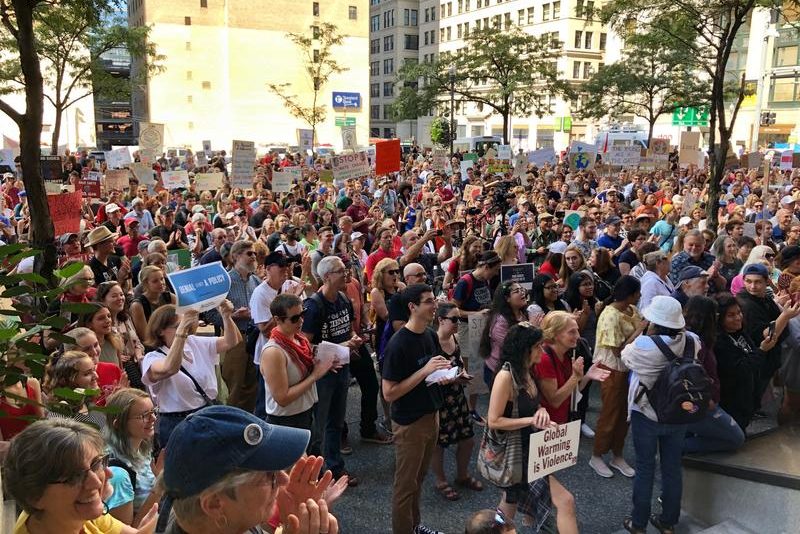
(384, 265)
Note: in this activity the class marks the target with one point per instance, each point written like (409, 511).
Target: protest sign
(440, 159)
(281, 182)
(553, 449)
(51, 171)
(349, 138)
(659, 147)
(305, 139)
(498, 165)
(146, 157)
(7, 158)
(175, 179)
(787, 158)
(89, 185)
(471, 156)
(201, 288)
(521, 166)
(144, 173)
(326, 175)
(208, 181)
(201, 158)
(647, 163)
(753, 160)
(295, 173)
(65, 210)
(118, 158)
(471, 192)
(117, 179)
(581, 156)
(521, 273)
(477, 324)
(151, 137)
(182, 257)
(503, 151)
(346, 166)
(689, 148)
(572, 218)
(542, 156)
(207, 147)
(387, 156)
(624, 155)
(243, 164)
(465, 165)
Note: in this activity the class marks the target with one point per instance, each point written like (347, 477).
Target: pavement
(601, 503)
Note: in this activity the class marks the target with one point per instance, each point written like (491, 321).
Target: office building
(221, 55)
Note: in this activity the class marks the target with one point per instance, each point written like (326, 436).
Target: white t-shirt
(260, 300)
(177, 393)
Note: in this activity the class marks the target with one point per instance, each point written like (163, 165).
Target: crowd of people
(233, 420)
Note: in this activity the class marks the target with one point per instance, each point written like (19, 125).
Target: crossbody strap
(197, 386)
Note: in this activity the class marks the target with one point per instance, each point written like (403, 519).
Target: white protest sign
(151, 137)
(7, 157)
(144, 173)
(439, 160)
(243, 164)
(201, 288)
(465, 166)
(553, 449)
(281, 182)
(542, 156)
(118, 158)
(201, 158)
(520, 166)
(295, 172)
(349, 138)
(117, 179)
(208, 181)
(175, 179)
(347, 166)
(659, 147)
(207, 147)
(503, 151)
(689, 148)
(477, 323)
(624, 155)
(787, 157)
(305, 139)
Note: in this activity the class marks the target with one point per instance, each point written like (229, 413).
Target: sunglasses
(393, 271)
(295, 318)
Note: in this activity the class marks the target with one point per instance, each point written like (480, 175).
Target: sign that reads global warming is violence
(553, 449)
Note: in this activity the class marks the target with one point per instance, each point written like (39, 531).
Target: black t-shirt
(164, 233)
(406, 353)
(334, 324)
(105, 273)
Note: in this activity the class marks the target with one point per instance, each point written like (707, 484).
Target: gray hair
(47, 451)
(77, 334)
(190, 509)
(326, 265)
(154, 245)
(694, 233)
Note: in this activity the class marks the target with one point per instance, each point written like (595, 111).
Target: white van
(479, 144)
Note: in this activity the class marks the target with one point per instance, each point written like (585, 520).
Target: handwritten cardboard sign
(65, 210)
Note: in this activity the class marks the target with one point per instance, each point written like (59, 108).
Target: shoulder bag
(500, 454)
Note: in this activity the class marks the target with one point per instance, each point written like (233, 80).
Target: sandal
(446, 491)
(627, 524)
(661, 527)
(469, 483)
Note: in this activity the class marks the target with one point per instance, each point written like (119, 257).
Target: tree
(654, 77)
(440, 131)
(707, 30)
(508, 72)
(319, 64)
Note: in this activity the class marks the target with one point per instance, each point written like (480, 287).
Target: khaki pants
(413, 448)
(241, 376)
(612, 424)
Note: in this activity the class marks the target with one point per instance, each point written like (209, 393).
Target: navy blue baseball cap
(691, 272)
(756, 268)
(218, 440)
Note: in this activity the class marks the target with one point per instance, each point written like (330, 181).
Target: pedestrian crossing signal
(768, 118)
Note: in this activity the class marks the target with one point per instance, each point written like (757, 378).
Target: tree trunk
(56, 132)
(506, 115)
(30, 133)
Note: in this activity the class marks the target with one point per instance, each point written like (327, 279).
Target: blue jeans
(488, 376)
(717, 432)
(261, 400)
(649, 438)
(329, 412)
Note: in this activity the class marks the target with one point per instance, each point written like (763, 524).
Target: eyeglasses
(519, 290)
(146, 415)
(98, 467)
(295, 318)
(393, 271)
(251, 253)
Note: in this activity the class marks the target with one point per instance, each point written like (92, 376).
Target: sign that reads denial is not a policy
(553, 449)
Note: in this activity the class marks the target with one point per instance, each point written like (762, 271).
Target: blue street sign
(347, 100)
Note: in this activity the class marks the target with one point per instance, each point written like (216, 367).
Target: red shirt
(561, 372)
(373, 259)
(130, 246)
(108, 376)
(445, 193)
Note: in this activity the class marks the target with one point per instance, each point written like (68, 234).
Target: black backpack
(682, 391)
(115, 461)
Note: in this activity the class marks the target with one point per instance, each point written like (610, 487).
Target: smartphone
(771, 329)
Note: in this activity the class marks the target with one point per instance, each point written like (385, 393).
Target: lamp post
(770, 35)
(452, 73)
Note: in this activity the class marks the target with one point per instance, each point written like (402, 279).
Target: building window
(433, 13)
(426, 39)
(203, 3)
(545, 12)
(449, 9)
(387, 111)
(206, 85)
(576, 69)
(602, 41)
(443, 13)
(441, 35)
(466, 5)
(388, 19)
(410, 17)
(188, 45)
(579, 9)
(189, 99)
(388, 89)
(433, 36)
(374, 46)
(459, 31)
(352, 12)
(388, 66)
(587, 41)
(785, 56)
(388, 43)
(374, 90)
(315, 9)
(316, 56)
(507, 20)
(427, 15)
(466, 29)
(374, 2)
(589, 9)
(188, 75)
(375, 23)
(374, 132)
(578, 38)
(587, 70)
(375, 68)
(531, 20)
(449, 33)
(412, 42)
(388, 133)
(315, 32)
(187, 21)
(556, 10)
(521, 17)
(374, 111)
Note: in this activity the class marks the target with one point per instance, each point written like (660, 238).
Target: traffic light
(768, 118)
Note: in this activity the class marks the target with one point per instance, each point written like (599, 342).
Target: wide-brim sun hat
(665, 311)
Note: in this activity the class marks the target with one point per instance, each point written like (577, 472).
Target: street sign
(689, 116)
(345, 121)
(347, 100)
(563, 124)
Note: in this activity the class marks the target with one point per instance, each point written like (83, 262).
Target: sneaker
(386, 428)
(378, 437)
(345, 447)
(586, 431)
(622, 466)
(352, 480)
(476, 418)
(422, 529)
(600, 467)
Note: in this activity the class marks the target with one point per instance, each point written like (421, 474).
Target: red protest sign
(387, 156)
(65, 210)
(90, 184)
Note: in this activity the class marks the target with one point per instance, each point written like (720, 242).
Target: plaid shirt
(682, 259)
(239, 294)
